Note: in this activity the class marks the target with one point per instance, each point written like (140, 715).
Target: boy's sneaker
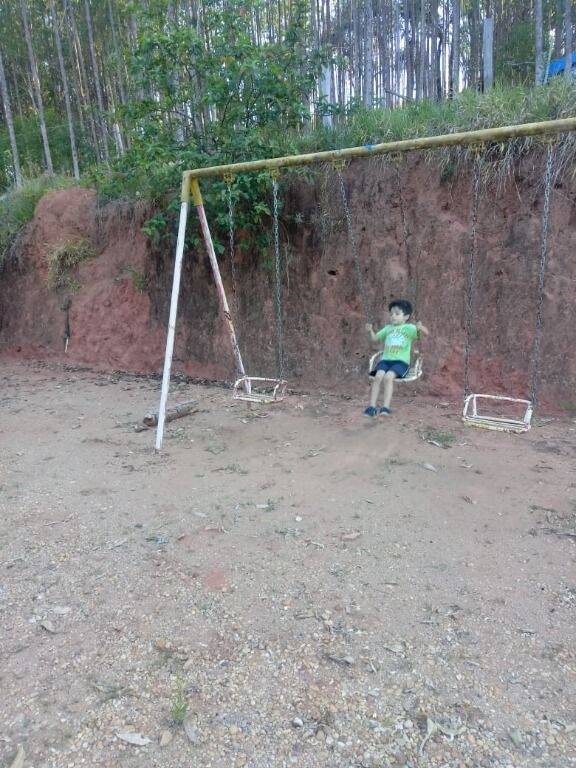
(385, 411)
(371, 411)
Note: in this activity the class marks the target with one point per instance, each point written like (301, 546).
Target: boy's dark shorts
(399, 368)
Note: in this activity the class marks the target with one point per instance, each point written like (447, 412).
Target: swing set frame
(190, 190)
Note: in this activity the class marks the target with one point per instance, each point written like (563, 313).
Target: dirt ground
(289, 586)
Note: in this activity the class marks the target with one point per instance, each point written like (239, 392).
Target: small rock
(18, 761)
(136, 739)
(516, 738)
(165, 738)
(297, 722)
(192, 732)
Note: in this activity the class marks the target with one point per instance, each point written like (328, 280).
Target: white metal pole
(172, 319)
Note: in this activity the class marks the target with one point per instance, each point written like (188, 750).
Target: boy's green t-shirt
(397, 341)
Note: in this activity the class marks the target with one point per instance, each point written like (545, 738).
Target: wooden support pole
(197, 198)
(483, 136)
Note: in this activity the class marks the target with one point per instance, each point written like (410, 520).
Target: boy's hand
(422, 329)
(369, 327)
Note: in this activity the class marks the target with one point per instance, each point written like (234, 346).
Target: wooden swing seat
(413, 374)
(258, 389)
(473, 418)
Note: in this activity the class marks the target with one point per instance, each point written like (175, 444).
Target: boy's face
(397, 317)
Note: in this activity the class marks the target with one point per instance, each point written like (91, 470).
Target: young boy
(397, 336)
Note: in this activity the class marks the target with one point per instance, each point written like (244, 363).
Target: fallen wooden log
(174, 412)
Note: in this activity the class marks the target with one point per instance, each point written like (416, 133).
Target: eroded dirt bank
(118, 316)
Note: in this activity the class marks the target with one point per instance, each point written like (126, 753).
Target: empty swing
(261, 389)
(478, 408)
(415, 370)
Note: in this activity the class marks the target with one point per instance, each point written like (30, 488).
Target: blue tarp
(558, 65)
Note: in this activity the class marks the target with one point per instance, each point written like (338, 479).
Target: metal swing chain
(406, 233)
(548, 179)
(278, 282)
(231, 247)
(471, 273)
(354, 247)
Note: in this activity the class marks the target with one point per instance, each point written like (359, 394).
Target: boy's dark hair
(402, 304)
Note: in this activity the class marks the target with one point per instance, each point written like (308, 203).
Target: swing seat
(258, 389)
(473, 418)
(413, 374)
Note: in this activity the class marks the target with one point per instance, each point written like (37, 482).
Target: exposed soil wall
(114, 325)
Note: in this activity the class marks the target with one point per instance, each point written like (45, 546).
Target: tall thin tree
(568, 38)
(558, 28)
(10, 124)
(97, 83)
(455, 54)
(65, 88)
(539, 38)
(82, 90)
(368, 53)
(36, 87)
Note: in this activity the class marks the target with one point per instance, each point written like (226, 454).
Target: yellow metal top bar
(485, 135)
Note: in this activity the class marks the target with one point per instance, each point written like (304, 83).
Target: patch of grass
(65, 257)
(447, 173)
(439, 438)
(140, 281)
(570, 407)
(17, 208)
(179, 705)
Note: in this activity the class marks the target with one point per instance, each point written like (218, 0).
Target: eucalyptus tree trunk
(369, 54)
(409, 48)
(84, 100)
(474, 62)
(488, 54)
(558, 28)
(36, 88)
(97, 83)
(568, 38)
(16, 93)
(117, 55)
(10, 124)
(355, 31)
(397, 80)
(341, 93)
(434, 49)
(420, 92)
(66, 90)
(178, 116)
(454, 86)
(539, 63)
